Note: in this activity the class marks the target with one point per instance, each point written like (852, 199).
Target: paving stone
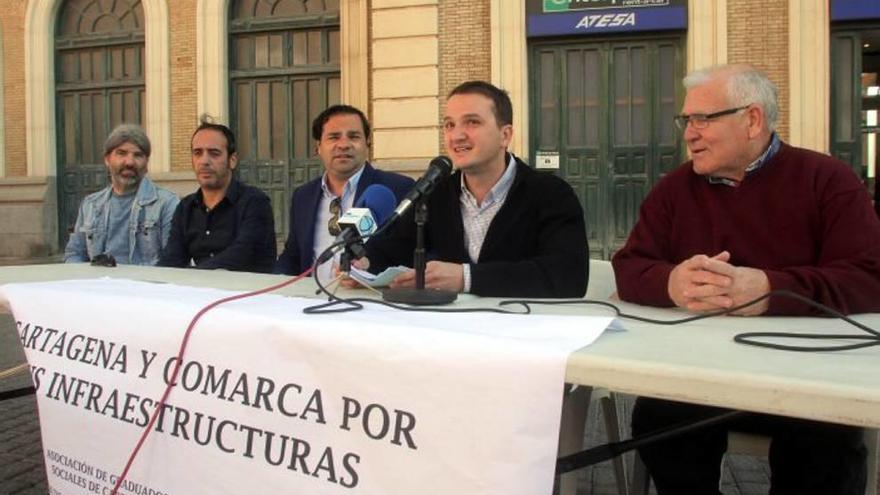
(22, 471)
(747, 469)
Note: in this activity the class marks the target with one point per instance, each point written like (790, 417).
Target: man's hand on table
(703, 284)
(438, 275)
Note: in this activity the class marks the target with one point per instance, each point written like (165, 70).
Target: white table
(695, 362)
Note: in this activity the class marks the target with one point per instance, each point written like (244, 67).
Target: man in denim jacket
(131, 218)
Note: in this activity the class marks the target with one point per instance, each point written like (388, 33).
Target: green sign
(555, 5)
(568, 5)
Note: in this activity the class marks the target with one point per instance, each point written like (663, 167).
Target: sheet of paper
(377, 280)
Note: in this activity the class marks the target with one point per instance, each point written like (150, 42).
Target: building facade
(594, 87)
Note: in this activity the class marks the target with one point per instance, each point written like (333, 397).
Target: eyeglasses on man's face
(702, 120)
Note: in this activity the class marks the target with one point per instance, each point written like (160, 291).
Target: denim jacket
(148, 227)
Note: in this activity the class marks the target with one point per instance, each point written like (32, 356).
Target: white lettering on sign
(606, 20)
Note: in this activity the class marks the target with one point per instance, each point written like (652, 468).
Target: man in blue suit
(342, 140)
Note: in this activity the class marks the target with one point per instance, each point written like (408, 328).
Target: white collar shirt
(322, 237)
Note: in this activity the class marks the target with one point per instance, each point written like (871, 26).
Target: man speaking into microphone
(495, 227)
(342, 141)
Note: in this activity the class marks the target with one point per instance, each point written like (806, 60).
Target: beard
(127, 182)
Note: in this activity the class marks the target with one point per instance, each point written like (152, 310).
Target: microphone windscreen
(379, 199)
(443, 164)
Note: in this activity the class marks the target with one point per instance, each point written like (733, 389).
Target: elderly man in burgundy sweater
(750, 214)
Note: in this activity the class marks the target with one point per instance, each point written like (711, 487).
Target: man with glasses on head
(746, 215)
(130, 219)
(342, 141)
(224, 224)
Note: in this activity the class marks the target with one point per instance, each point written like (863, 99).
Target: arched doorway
(99, 83)
(283, 70)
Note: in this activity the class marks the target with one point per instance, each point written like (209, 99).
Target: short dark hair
(323, 117)
(207, 122)
(501, 106)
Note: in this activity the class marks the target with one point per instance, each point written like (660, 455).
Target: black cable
(16, 393)
(336, 304)
(357, 303)
(333, 300)
(526, 303)
(747, 338)
(751, 338)
(602, 453)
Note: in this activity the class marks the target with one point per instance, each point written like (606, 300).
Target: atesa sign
(853, 10)
(567, 17)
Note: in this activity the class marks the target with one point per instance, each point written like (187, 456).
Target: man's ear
(233, 161)
(757, 120)
(506, 135)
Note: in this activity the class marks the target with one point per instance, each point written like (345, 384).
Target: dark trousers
(806, 457)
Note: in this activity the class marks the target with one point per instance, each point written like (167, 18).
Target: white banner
(270, 400)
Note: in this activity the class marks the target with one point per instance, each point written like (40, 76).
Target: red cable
(177, 365)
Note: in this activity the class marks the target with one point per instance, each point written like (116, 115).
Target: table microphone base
(419, 297)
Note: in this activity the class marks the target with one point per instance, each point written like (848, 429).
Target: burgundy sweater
(803, 218)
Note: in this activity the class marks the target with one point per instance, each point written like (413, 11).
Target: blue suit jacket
(298, 254)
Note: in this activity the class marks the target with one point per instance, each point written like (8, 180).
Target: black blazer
(536, 245)
(298, 254)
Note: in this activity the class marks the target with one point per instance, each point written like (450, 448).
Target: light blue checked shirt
(477, 217)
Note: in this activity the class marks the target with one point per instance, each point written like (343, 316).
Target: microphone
(379, 199)
(357, 221)
(439, 169)
(373, 208)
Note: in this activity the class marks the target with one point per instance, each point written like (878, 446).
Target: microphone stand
(419, 261)
(420, 296)
(351, 251)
